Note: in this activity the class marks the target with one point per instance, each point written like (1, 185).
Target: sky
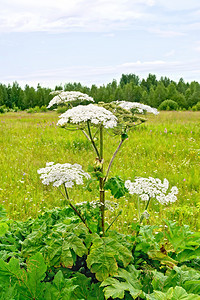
(53, 42)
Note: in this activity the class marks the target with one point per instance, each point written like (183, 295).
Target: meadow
(166, 146)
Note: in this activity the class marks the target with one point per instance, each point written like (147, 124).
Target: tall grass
(167, 146)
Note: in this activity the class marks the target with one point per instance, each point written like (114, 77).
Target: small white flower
(63, 97)
(93, 113)
(59, 174)
(152, 188)
(141, 108)
(144, 197)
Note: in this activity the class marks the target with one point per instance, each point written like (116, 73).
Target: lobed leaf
(103, 257)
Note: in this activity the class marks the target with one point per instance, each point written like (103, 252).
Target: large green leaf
(126, 280)
(103, 257)
(188, 254)
(9, 293)
(181, 237)
(61, 247)
(27, 283)
(3, 228)
(36, 269)
(177, 293)
(10, 272)
(60, 289)
(86, 290)
(116, 186)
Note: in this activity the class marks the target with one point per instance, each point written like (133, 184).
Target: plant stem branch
(119, 213)
(74, 208)
(91, 139)
(142, 216)
(85, 134)
(113, 157)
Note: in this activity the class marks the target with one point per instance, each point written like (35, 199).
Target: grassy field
(167, 146)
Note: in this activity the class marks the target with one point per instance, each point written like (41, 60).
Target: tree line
(130, 87)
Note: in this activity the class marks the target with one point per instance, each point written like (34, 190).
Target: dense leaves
(150, 91)
(55, 257)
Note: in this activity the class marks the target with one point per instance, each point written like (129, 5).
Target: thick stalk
(113, 157)
(101, 184)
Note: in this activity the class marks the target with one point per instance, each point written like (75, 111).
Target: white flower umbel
(64, 97)
(59, 174)
(93, 113)
(141, 108)
(147, 188)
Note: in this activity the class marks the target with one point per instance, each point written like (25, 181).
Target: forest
(163, 93)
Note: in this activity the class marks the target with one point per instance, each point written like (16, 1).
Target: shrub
(196, 107)
(61, 109)
(43, 108)
(32, 110)
(2, 111)
(168, 105)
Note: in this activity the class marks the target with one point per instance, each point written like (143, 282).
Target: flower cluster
(63, 97)
(59, 174)
(93, 113)
(141, 108)
(150, 187)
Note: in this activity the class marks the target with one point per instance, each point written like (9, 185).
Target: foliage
(55, 257)
(196, 107)
(151, 91)
(72, 253)
(168, 105)
(116, 186)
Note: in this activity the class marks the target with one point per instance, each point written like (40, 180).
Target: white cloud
(89, 15)
(89, 75)
(166, 33)
(60, 15)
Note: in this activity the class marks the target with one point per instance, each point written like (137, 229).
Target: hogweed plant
(70, 253)
(92, 120)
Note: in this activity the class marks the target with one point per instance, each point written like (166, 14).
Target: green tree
(127, 78)
(3, 94)
(17, 95)
(160, 95)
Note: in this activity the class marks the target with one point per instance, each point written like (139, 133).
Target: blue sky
(94, 41)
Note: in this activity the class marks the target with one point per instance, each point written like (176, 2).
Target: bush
(61, 109)
(43, 108)
(168, 105)
(196, 107)
(32, 110)
(2, 111)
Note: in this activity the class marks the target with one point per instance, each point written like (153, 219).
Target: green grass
(167, 146)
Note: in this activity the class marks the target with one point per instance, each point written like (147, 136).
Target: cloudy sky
(93, 41)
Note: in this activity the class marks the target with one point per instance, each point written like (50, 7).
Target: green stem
(74, 208)
(91, 139)
(113, 157)
(119, 213)
(142, 216)
(101, 185)
(148, 203)
(85, 134)
(138, 205)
